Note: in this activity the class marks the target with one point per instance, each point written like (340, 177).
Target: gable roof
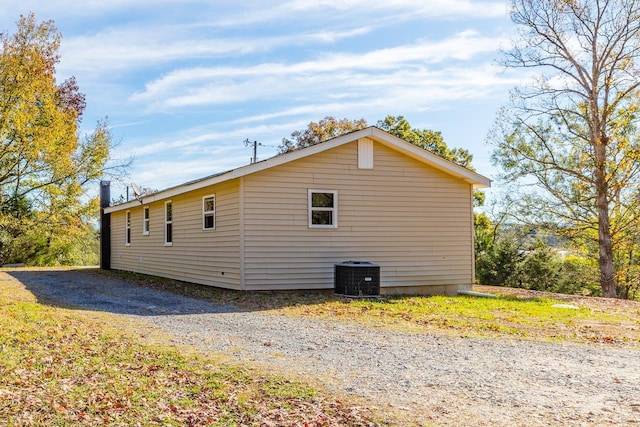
(372, 132)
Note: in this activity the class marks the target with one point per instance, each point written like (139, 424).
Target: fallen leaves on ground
(60, 367)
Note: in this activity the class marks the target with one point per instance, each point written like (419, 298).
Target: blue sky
(185, 82)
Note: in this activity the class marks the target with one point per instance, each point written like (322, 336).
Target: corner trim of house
(473, 238)
(241, 236)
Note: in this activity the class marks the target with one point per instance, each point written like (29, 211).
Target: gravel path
(444, 381)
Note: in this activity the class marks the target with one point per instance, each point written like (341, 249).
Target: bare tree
(572, 131)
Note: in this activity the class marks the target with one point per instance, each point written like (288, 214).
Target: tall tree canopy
(572, 132)
(322, 131)
(425, 138)
(330, 127)
(44, 164)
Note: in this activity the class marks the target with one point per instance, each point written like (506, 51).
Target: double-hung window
(323, 209)
(127, 229)
(209, 212)
(168, 223)
(145, 220)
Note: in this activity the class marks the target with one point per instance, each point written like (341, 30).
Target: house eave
(472, 178)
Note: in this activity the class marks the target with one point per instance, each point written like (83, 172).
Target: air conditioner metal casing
(357, 279)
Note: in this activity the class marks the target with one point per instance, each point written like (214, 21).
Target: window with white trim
(127, 229)
(145, 220)
(323, 209)
(168, 223)
(209, 212)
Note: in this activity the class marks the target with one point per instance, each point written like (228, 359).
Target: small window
(323, 209)
(209, 212)
(145, 220)
(168, 224)
(127, 238)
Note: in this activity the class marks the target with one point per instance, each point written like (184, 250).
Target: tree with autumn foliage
(428, 139)
(330, 127)
(45, 165)
(322, 131)
(571, 135)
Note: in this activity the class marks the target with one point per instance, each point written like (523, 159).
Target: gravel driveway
(443, 381)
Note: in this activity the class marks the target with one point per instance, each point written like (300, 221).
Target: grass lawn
(515, 313)
(65, 367)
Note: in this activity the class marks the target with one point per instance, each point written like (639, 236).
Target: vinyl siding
(210, 257)
(412, 220)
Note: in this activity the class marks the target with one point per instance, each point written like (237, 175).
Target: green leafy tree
(330, 127)
(322, 131)
(512, 253)
(500, 263)
(541, 268)
(571, 135)
(425, 138)
(484, 232)
(579, 275)
(45, 166)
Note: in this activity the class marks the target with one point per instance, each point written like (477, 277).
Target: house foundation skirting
(424, 290)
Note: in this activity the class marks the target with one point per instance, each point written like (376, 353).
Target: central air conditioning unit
(357, 279)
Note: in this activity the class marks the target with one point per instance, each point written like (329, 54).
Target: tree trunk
(605, 260)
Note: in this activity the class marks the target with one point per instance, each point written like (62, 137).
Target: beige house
(283, 223)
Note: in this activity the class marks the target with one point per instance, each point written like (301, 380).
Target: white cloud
(338, 75)
(161, 174)
(86, 8)
(119, 50)
(371, 10)
(213, 140)
(312, 110)
(461, 46)
(453, 8)
(166, 145)
(124, 49)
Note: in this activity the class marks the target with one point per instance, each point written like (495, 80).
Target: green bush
(500, 264)
(31, 245)
(541, 269)
(579, 275)
(504, 263)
